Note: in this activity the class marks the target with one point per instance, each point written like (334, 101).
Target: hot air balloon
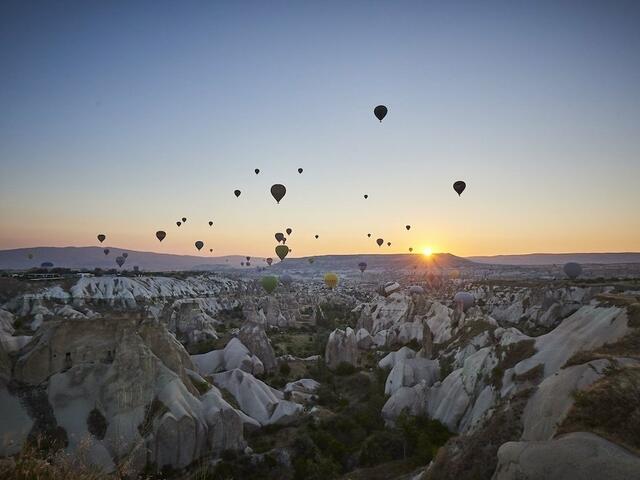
(125, 254)
(248, 258)
(379, 242)
(101, 237)
(331, 280)
(279, 237)
(459, 187)
(160, 234)
(211, 250)
(380, 112)
(210, 223)
(257, 170)
(106, 251)
(408, 227)
(282, 251)
(269, 283)
(242, 264)
(311, 260)
(464, 300)
(369, 235)
(288, 230)
(286, 279)
(278, 191)
(184, 219)
(248, 264)
(366, 196)
(120, 261)
(362, 266)
(178, 223)
(269, 261)
(410, 249)
(300, 170)
(572, 270)
(388, 244)
(237, 193)
(199, 244)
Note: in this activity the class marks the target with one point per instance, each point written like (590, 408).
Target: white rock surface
(342, 347)
(233, 355)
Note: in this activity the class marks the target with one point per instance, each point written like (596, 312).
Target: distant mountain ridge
(558, 258)
(92, 257)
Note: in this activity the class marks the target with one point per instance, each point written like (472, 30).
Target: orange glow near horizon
(427, 251)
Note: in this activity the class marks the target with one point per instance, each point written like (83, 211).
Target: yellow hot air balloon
(331, 280)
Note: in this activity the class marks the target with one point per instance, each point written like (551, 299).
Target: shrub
(344, 369)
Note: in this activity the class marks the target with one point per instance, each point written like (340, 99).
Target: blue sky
(122, 118)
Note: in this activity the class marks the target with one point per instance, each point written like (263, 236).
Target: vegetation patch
(610, 408)
(97, 424)
(509, 357)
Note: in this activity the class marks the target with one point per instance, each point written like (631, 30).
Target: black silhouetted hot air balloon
(408, 227)
(282, 251)
(288, 230)
(459, 187)
(366, 196)
(300, 170)
(572, 270)
(317, 236)
(257, 170)
(237, 193)
(210, 223)
(211, 250)
(410, 249)
(279, 237)
(106, 251)
(125, 254)
(380, 241)
(269, 261)
(248, 258)
(311, 260)
(380, 112)
(369, 235)
(388, 244)
(184, 219)
(101, 237)
(242, 264)
(120, 261)
(278, 191)
(362, 266)
(199, 244)
(178, 223)
(160, 234)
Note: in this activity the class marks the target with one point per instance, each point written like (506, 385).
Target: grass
(610, 408)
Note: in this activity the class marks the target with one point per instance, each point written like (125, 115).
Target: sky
(122, 117)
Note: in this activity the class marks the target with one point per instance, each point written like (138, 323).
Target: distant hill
(559, 258)
(92, 257)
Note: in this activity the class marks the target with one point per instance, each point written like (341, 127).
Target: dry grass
(610, 408)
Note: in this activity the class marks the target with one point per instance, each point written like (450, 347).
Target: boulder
(233, 355)
(342, 347)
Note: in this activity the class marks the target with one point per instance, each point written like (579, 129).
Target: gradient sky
(122, 118)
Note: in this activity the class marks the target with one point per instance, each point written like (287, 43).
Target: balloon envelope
(459, 187)
(464, 300)
(160, 234)
(572, 270)
(101, 237)
(380, 112)
(269, 283)
(237, 193)
(362, 266)
(282, 251)
(317, 236)
(380, 241)
(125, 254)
(269, 261)
(257, 170)
(408, 227)
(184, 219)
(178, 223)
(199, 244)
(300, 170)
(288, 230)
(210, 223)
(366, 196)
(120, 261)
(331, 280)
(278, 191)
(279, 237)
(106, 251)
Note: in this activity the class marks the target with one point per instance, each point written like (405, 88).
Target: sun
(427, 251)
